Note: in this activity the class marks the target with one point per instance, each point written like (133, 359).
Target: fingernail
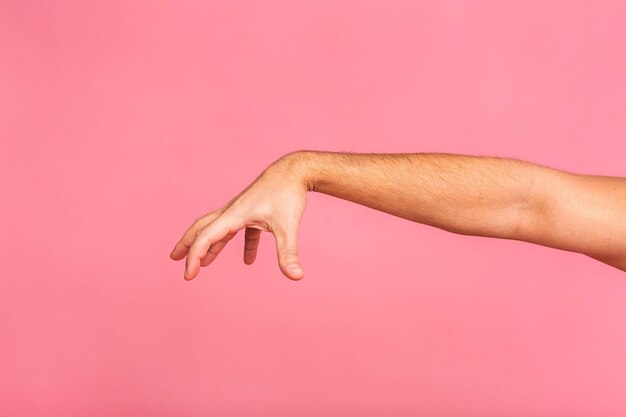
(294, 269)
(185, 273)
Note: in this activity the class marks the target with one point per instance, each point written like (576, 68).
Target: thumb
(287, 248)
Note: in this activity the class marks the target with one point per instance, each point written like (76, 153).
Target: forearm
(481, 196)
(472, 195)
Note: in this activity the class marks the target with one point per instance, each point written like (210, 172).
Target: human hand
(274, 202)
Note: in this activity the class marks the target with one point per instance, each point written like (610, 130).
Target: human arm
(472, 195)
(482, 196)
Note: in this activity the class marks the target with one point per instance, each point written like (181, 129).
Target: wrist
(301, 166)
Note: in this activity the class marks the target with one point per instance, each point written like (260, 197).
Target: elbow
(532, 208)
(574, 213)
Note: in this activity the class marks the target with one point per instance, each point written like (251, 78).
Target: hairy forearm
(481, 196)
(473, 195)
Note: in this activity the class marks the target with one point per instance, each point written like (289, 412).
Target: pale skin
(469, 195)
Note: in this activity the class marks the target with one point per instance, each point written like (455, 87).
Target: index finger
(215, 231)
(182, 246)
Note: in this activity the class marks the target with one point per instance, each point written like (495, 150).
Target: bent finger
(215, 250)
(251, 246)
(287, 251)
(212, 233)
(182, 246)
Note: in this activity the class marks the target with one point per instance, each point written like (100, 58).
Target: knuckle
(289, 254)
(201, 235)
(196, 223)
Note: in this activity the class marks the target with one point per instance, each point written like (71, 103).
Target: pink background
(121, 122)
